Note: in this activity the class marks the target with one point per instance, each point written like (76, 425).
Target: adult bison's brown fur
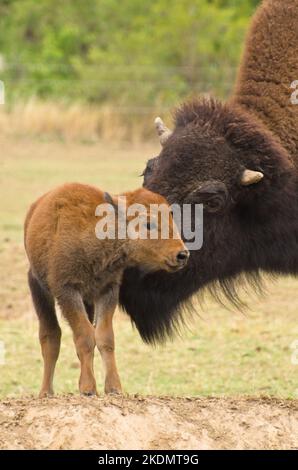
(247, 227)
(268, 69)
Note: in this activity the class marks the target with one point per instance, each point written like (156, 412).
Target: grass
(223, 352)
(79, 122)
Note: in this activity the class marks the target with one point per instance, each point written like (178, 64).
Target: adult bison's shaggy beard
(252, 224)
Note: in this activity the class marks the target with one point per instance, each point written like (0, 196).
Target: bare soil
(112, 422)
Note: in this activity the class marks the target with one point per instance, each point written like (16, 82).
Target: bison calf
(69, 263)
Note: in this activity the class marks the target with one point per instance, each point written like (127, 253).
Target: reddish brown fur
(70, 264)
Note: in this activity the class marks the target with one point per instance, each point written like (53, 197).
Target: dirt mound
(71, 422)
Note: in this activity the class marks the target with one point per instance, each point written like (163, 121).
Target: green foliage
(127, 52)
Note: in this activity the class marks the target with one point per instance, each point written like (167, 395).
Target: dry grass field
(223, 353)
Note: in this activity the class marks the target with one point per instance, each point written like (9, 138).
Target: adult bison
(240, 160)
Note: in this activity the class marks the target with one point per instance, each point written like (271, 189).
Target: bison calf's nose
(182, 257)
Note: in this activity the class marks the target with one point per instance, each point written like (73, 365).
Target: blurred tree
(129, 52)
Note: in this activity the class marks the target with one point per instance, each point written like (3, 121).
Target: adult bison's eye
(212, 194)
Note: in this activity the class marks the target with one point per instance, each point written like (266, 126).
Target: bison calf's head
(153, 241)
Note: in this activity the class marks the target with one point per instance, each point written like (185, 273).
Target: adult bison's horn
(162, 130)
(251, 177)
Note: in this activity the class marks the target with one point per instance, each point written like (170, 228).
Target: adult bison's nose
(182, 257)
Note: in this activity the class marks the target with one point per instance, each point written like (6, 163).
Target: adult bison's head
(217, 155)
(221, 156)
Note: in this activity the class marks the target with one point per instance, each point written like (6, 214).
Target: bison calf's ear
(110, 200)
(212, 194)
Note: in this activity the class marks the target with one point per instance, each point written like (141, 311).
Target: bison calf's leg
(105, 343)
(49, 332)
(73, 310)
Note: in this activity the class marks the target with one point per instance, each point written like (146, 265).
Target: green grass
(224, 352)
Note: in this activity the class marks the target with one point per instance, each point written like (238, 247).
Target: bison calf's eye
(182, 256)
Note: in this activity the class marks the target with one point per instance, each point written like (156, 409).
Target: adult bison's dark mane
(166, 312)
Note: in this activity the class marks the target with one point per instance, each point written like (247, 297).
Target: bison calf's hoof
(113, 391)
(89, 394)
(88, 388)
(88, 391)
(46, 394)
(113, 386)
